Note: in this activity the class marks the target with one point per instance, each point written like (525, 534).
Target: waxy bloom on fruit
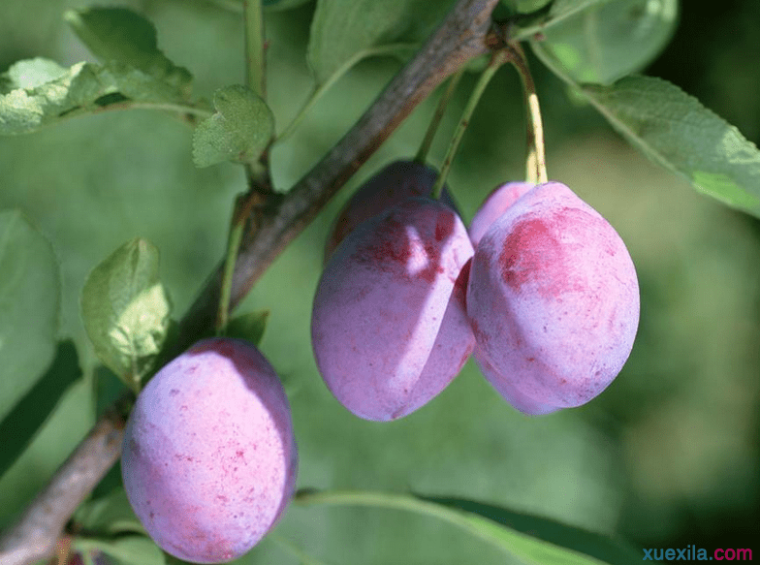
(390, 186)
(554, 301)
(389, 326)
(494, 206)
(209, 459)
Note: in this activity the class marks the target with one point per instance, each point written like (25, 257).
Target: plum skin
(494, 206)
(389, 325)
(391, 185)
(553, 298)
(209, 458)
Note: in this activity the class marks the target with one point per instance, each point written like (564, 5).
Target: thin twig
(461, 37)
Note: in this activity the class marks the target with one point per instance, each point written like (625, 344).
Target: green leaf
(609, 41)
(345, 31)
(30, 73)
(677, 131)
(29, 308)
(172, 560)
(551, 544)
(126, 309)
(20, 426)
(559, 11)
(124, 550)
(39, 92)
(249, 327)
(598, 546)
(239, 131)
(276, 5)
(108, 388)
(108, 516)
(123, 36)
(526, 6)
(26, 105)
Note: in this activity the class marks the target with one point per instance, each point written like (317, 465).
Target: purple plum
(209, 458)
(389, 324)
(391, 185)
(554, 301)
(495, 204)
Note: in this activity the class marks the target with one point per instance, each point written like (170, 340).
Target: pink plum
(209, 458)
(554, 301)
(389, 326)
(391, 185)
(495, 204)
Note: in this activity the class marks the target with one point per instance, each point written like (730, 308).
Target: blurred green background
(667, 456)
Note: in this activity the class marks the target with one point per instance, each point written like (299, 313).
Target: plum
(495, 204)
(392, 184)
(389, 324)
(209, 458)
(553, 299)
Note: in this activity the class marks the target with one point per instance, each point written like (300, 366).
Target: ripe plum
(389, 326)
(554, 301)
(209, 458)
(392, 184)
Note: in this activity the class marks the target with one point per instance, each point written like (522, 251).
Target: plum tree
(389, 326)
(392, 184)
(554, 301)
(209, 458)
(495, 204)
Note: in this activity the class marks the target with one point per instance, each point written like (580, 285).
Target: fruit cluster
(542, 290)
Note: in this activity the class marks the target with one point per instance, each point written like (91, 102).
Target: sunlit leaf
(126, 309)
(609, 41)
(39, 92)
(558, 12)
(677, 131)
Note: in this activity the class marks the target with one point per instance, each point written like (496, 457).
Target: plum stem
(440, 110)
(536, 160)
(497, 60)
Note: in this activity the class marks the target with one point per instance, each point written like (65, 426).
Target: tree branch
(36, 532)
(462, 36)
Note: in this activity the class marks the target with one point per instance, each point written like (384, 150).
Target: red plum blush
(501, 198)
